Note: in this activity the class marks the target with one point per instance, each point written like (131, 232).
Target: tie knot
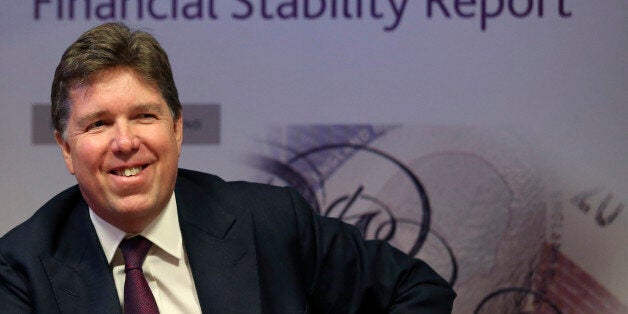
(134, 251)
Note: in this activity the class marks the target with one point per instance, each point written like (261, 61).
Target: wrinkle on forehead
(81, 90)
(103, 76)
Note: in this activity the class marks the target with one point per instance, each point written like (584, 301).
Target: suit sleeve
(344, 273)
(13, 297)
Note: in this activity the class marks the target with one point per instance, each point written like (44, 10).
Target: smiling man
(122, 143)
(139, 235)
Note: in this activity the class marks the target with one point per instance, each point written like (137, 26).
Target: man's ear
(178, 132)
(65, 151)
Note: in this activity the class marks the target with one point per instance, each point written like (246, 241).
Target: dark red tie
(137, 295)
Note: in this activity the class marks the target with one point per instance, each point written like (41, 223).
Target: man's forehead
(104, 83)
(105, 75)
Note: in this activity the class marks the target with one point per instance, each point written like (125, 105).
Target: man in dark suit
(207, 245)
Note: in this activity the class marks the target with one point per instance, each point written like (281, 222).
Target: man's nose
(124, 139)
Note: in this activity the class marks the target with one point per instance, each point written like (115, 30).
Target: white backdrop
(559, 81)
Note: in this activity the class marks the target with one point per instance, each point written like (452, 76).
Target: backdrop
(487, 137)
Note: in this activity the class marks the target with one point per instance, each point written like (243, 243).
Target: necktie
(137, 295)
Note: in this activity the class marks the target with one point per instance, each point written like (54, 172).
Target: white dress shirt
(166, 266)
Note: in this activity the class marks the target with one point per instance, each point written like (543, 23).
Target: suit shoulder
(219, 188)
(38, 230)
(197, 177)
(238, 197)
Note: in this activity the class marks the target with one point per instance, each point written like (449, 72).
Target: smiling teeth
(128, 172)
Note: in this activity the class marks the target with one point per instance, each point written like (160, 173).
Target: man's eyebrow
(144, 107)
(150, 107)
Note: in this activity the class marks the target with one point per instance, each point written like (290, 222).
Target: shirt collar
(164, 232)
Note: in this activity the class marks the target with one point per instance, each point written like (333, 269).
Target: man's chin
(128, 207)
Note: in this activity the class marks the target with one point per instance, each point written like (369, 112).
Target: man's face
(122, 145)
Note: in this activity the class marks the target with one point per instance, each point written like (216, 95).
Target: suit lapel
(78, 271)
(221, 252)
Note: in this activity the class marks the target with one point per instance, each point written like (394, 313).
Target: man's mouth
(128, 172)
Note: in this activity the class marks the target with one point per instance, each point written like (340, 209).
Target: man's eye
(96, 124)
(146, 116)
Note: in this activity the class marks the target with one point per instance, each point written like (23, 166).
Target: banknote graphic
(472, 202)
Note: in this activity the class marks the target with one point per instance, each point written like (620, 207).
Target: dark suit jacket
(252, 249)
